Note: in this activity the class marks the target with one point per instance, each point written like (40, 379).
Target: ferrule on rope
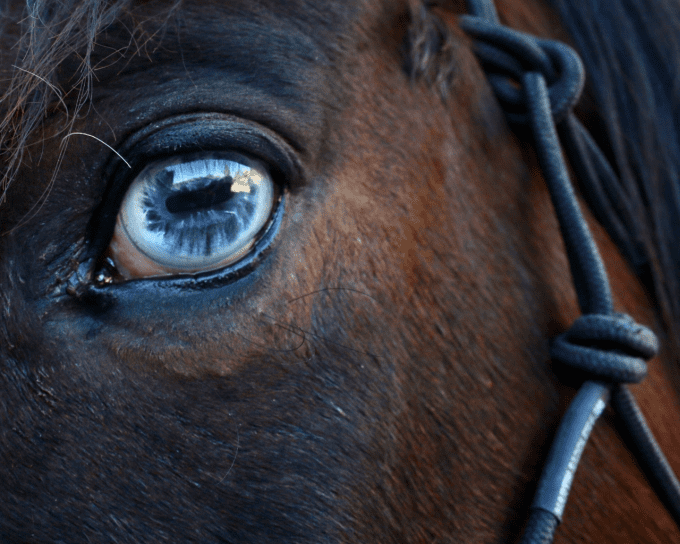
(567, 447)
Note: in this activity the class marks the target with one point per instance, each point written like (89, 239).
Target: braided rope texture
(538, 82)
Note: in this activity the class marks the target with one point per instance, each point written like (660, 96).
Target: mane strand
(631, 50)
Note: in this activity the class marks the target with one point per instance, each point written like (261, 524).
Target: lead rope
(609, 347)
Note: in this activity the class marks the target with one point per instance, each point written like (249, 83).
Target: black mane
(631, 49)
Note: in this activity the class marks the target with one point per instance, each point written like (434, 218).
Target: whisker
(290, 327)
(238, 443)
(302, 336)
(332, 289)
(100, 141)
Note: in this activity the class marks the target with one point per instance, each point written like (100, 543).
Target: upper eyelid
(209, 132)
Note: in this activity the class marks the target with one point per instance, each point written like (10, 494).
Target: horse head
(369, 362)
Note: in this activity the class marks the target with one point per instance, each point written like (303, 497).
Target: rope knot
(611, 348)
(508, 55)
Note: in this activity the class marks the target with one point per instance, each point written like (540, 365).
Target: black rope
(538, 82)
(648, 453)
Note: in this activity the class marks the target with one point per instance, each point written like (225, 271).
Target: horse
(370, 362)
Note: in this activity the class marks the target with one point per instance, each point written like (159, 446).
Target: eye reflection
(191, 214)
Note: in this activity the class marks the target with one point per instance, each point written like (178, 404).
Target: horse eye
(190, 214)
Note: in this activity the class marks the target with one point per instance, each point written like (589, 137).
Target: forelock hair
(46, 34)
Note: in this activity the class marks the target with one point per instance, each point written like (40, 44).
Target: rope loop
(507, 55)
(610, 348)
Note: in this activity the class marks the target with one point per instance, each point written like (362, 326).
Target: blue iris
(194, 211)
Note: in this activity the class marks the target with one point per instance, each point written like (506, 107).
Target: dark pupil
(206, 197)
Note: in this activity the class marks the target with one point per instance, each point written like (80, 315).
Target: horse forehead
(287, 64)
(274, 31)
(306, 24)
